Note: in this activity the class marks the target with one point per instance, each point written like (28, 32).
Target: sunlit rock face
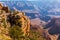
(16, 17)
(1, 6)
(4, 31)
(19, 18)
(5, 8)
(11, 19)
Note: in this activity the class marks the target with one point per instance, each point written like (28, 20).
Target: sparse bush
(15, 32)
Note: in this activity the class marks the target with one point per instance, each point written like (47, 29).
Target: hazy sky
(31, 0)
(46, 0)
(58, 1)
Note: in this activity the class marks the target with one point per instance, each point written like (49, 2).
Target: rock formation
(18, 18)
(3, 25)
(53, 28)
(10, 19)
(6, 9)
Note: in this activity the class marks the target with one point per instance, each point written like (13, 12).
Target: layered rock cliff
(52, 29)
(9, 19)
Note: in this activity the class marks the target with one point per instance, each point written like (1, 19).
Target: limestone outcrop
(18, 18)
(9, 19)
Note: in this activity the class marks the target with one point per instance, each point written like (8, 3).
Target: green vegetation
(17, 34)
